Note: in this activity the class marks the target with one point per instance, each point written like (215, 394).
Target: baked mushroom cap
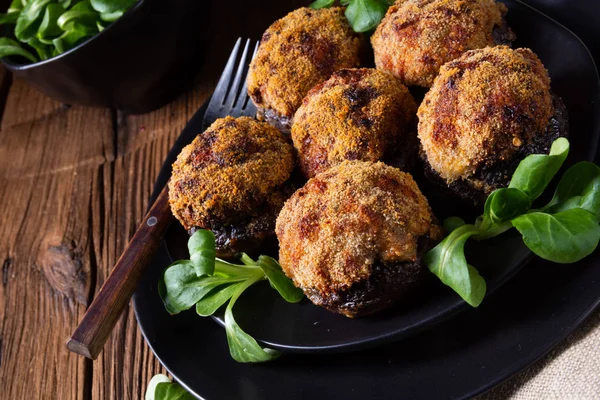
(297, 52)
(416, 37)
(484, 109)
(357, 114)
(352, 238)
(231, 178)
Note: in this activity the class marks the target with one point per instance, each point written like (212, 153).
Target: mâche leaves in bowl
(564, 231)
(116, 67)
(207, 283)
(46, 28)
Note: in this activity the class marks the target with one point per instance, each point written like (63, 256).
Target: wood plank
(50, 156)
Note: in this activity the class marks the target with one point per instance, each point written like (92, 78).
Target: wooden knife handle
(102, 316)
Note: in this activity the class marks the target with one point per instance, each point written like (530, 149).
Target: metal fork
(104, 312)
(227, 99)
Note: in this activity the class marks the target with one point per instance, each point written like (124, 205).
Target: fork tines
(228, 99)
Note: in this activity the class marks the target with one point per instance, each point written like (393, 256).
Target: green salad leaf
(111, 16)
(81, 13)
(43, 50)
(578, 188)
(279, 281)
(75, 34)
(151, 389)
(210, 303)
(9, 47)
(171, 391)
(30, 18)
(202, 252)
(447, 261)
(9, 18)
(181, 288)
(564, 231)
(49, 28)
(363, 15)
(536, 171)
(160, 387)
(500, 207)
(564, 237)
(15, 7)
(243, 347)
(65, 3)
(505, 204)
(209, 282)
(452, 223)
(322, 4)
(111, 6)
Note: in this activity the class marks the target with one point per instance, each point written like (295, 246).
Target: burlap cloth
(570, 371)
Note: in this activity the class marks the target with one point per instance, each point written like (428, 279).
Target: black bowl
(137, 64)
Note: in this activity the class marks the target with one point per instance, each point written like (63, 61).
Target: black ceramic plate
(458, 358)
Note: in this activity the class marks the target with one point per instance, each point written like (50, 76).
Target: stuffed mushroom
(296, 53)
(233, 180)
(353, 238)
(416, 37)
(485, 112)
(358, 114)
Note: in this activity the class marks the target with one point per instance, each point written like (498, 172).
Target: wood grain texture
(114, 295)
(49, 157)
(74, 185)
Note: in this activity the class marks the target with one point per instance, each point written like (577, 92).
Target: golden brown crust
(358, 114)
(482, 108)
(345, 220)
(417, 36)
(227, 173)
(297, 52)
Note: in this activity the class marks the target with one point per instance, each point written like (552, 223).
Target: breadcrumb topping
(358, 114)
(299, 51)
(228, 172)
(481, 108)
(334, 229)
(417, 36)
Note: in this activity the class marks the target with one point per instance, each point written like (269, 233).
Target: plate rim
(528, 361)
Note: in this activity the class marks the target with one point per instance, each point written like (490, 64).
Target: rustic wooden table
(74, 183)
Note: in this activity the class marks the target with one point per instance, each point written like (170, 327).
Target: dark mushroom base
(254, 238)
(503, 35)
(404, 156)
(386, 285)
(254, 235)
(498, 174)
